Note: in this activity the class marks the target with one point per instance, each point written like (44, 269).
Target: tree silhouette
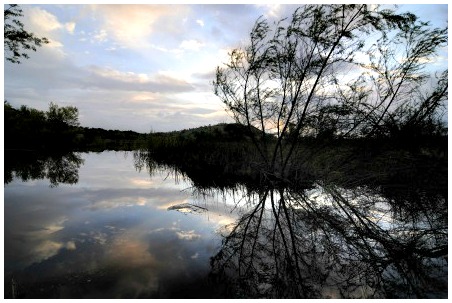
(332, 70)
(17, 40)
(346, 244)
(335, 71)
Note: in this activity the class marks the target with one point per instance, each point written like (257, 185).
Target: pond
(119, 225)
(115, 233)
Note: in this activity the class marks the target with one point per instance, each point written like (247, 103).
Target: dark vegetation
(340, 248)
(57, 167)
(378, 139)
(333, 241)
(412, 178)
(220, 156)
(368, 144)
(58, 129)
(223, 155)
(17, 41)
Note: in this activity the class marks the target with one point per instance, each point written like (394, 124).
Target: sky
(140, 67)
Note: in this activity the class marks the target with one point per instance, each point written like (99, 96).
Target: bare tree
(399, 73)
(346, 71)
(308, 72)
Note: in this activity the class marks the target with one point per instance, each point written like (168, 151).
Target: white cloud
(273, 10)
(176, 51)
(44, 24)
(43, 21)
(132, 25)
(192, 45)
(70, 27)
(200, 22)
(188, 235)
(100, 36)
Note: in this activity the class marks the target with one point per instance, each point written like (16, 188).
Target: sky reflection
(112, 230)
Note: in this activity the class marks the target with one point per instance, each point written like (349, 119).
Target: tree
(332, 71)
(17, 40)
(62, 116)
(319, 72)
(29, 128)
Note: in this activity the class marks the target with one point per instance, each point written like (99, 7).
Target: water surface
(110, 235)
(122, 225)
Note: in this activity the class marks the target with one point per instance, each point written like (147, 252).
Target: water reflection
(164, 233)
(108, 236)
(332, 242)
(28, 165)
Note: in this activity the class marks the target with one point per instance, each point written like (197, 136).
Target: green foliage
(17, 40)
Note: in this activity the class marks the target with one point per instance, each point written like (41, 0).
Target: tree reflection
(58, 168)
(329, 241)
(332, 242)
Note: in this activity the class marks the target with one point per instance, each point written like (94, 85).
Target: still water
(120, 225)
(116, 233)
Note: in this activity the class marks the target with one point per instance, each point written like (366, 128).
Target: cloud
(132, 25)
(193, 45)
(112, 79)
(44, 24)
(151, 85)
(43, 21)
(100, 36)
(200, 22)
(127, 252)
(188, 235)
(46, 249)
(70, 245)
(70, 27)
(272, 10)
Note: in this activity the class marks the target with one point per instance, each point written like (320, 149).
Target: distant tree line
(58, 128)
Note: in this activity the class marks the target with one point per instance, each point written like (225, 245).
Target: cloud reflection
(113, 231)
(188, 235)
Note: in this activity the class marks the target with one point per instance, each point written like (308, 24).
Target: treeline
(211, 156)
(99, 139)
(224, 155)
(58, 128)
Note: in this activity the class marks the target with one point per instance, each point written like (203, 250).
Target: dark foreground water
(117, 225)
